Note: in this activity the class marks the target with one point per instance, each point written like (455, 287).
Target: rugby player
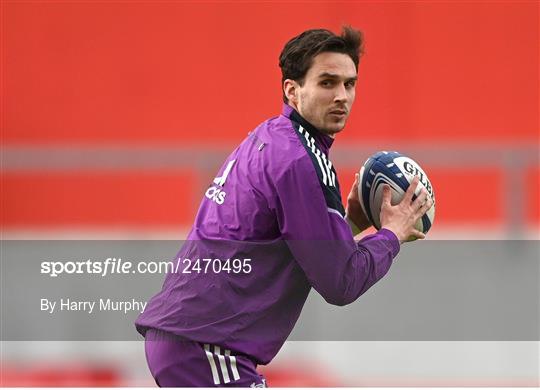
(274, 224)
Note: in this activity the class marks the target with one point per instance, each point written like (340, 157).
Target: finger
(386, 195)
(420, 199)
(425, 207)
(410, 191)
(418, 234)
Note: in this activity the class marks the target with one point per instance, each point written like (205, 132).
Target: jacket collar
(324, 141)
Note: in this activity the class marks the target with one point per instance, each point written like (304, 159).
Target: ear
(290, 88)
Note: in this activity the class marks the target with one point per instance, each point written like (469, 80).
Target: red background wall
(191, 73)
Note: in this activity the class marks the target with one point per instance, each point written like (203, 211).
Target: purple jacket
(275, 201)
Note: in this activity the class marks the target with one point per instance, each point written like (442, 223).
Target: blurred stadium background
(116, 116)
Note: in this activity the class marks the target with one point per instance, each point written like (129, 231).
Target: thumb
(353, 194)
(355, 184)
(386, 195)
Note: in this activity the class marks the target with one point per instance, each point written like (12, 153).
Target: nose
(341, 94)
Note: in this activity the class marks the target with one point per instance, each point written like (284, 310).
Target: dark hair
(297, 56)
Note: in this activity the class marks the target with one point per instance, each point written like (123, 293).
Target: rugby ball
(397, 171)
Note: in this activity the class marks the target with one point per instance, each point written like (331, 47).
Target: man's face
(326, 97)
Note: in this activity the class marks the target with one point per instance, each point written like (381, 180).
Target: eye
(350, 84)
(326, 83)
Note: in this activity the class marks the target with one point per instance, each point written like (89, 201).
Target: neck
(331, 135)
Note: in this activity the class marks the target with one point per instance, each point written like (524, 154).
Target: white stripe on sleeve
(212, 364)
(234, 369)
(221, 358)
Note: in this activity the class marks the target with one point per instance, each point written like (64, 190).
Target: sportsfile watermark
(433, 291)
(118, 266)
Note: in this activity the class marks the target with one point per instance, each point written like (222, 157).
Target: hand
(401, 218)
(354, 212)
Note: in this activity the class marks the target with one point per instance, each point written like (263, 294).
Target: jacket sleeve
(321, 240)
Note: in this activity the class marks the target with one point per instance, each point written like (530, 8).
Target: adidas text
(216, 194)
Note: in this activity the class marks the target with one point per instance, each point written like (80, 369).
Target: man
(271, 227)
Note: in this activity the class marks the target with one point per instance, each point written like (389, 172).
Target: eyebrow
(335, 76)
